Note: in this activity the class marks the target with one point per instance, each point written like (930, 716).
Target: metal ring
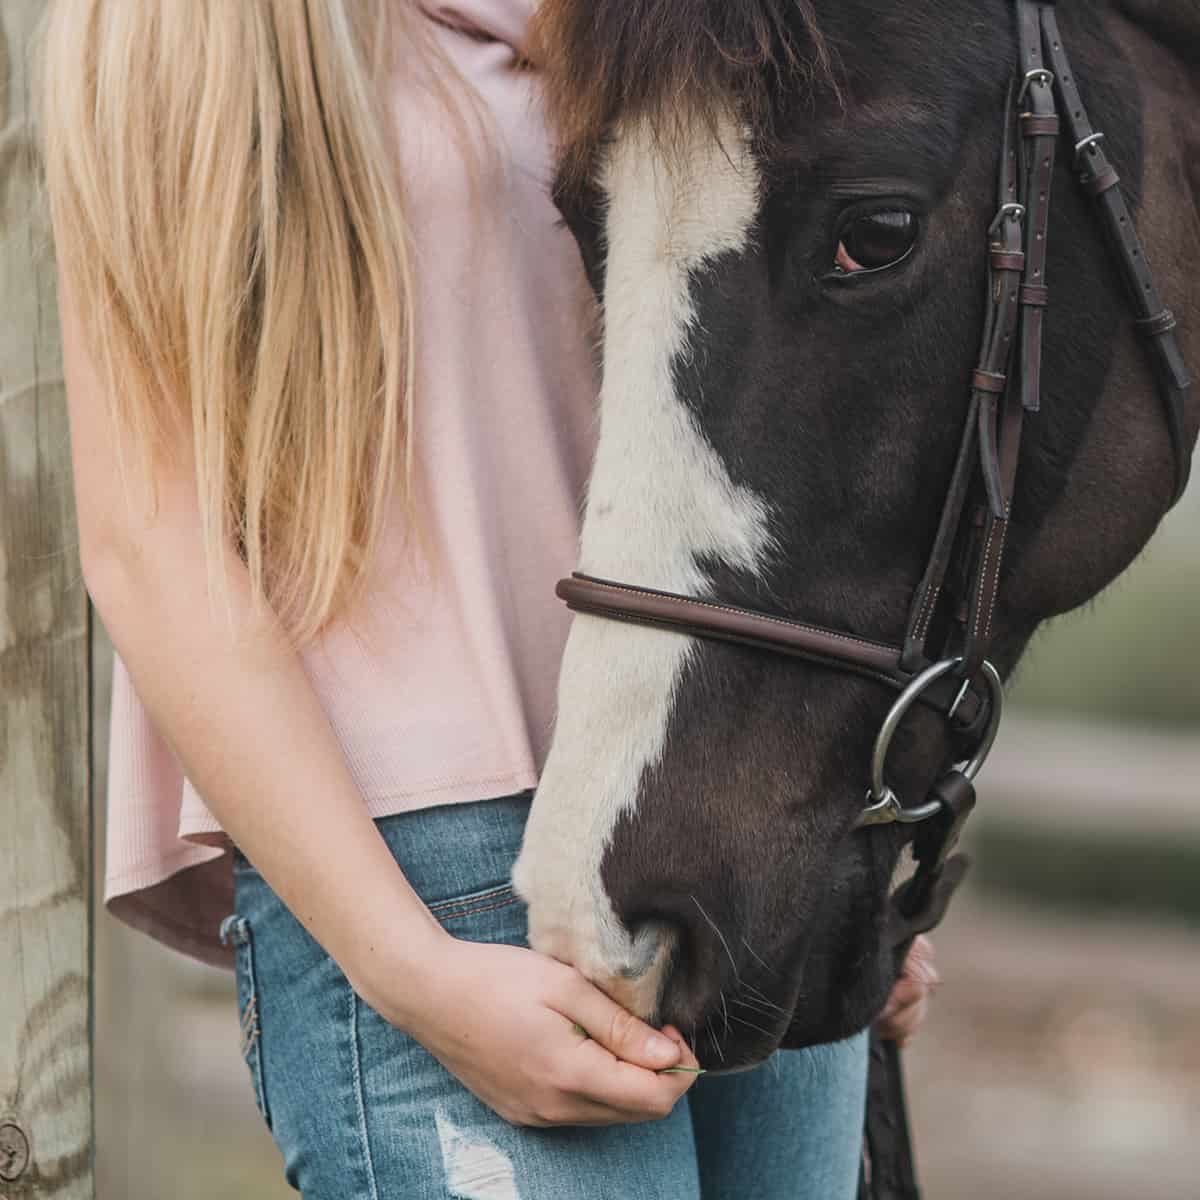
(1016, 211)
(889, 810)
(1038, 74)
(885, 806)
(1092, 139)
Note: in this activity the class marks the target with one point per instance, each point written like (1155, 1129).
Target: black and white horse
(781, 205)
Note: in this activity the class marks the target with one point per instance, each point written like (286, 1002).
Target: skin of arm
(234, 703)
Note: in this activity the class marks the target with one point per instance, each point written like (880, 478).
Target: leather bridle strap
(779, 635)
(1154, 321)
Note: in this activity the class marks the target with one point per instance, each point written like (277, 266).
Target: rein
(955, 678)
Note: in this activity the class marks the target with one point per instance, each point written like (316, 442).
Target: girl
(330, 386)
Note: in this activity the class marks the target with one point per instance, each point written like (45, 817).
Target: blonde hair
(228, 217)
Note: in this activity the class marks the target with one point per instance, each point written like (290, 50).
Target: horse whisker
(714, 1039)
(713, 925)
(760, 1006)
(758, 957)
(756, 1028)
(762, 998)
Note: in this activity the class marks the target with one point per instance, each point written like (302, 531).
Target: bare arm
(236, 706)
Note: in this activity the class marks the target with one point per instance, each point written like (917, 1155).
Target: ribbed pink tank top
(448, 694)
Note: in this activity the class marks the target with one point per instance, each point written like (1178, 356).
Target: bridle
(957, 680)
(957, 592)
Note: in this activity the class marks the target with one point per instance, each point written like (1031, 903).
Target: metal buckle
(1093, 139)
(1038, 75)
(1013, 210)
(885, 807)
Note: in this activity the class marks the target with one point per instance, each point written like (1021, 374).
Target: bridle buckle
(1038, 75)
(1093, 139)
(1012, 209)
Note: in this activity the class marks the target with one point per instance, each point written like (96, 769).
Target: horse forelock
(666, 64)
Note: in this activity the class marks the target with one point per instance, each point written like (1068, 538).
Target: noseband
(955, 678)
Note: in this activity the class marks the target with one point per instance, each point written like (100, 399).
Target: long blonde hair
(228, 216)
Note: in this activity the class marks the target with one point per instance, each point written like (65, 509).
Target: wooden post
(45, 812)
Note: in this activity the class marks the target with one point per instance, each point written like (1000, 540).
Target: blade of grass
(697, 1071)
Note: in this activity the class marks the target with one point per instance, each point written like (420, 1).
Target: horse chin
(849, 968)
(851, 1012)
(823, 975)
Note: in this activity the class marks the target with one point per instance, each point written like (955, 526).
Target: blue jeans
(361, 1111)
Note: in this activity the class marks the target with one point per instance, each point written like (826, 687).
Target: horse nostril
(652, 943)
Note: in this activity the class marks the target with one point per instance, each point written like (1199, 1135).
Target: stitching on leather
(996, 526)
(987, 627)
(926, 613)
(490, 894)
(987, 554)
(744, 612)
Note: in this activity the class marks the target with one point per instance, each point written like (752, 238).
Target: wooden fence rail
(45, 813)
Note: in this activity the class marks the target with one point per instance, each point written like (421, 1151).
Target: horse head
(782, 206)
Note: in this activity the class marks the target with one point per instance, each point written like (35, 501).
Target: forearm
(235, 704)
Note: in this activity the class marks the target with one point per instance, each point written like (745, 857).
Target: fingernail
(660, 1047)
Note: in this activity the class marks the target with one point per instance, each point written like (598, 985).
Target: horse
(799, 217)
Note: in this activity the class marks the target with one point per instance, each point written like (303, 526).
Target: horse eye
(875, 241)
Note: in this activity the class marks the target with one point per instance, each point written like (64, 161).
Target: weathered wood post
(45, 815)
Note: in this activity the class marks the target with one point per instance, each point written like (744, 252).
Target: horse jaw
(660, 503)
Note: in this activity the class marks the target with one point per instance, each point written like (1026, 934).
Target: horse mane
(669, 62)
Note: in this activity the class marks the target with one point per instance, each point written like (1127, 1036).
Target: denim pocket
(495, 914)
(236, 930)
(473, 902)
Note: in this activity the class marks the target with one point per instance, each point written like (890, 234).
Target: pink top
(449, 697)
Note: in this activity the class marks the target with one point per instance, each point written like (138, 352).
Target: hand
(509, 1024)
(908, 1005)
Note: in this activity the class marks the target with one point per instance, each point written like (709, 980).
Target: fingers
(622, 1062)
(919, 964)
(616, 1029)
(633, 1091)
(900, 1024)
(908, 1004)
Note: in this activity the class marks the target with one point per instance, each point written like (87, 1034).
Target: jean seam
(476, 911)
(490, 894)
(359, 1097)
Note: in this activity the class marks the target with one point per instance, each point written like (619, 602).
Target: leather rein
(956, 679)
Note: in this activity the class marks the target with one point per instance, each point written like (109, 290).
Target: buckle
(1039, 75)
(1013, 210)
(1092, 139)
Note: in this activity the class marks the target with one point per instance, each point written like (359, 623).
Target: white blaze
(659, 500)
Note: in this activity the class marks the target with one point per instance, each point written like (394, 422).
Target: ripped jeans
(361, 1111)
